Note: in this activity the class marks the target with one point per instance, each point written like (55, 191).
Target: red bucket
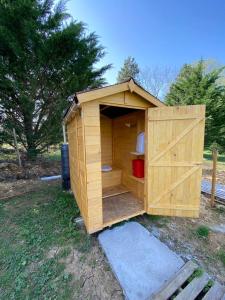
(138, 168)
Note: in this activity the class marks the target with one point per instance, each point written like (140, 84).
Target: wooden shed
(102, 128)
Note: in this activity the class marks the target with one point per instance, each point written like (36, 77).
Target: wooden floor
(121, 207)
(114, 190)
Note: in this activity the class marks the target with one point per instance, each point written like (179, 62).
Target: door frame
(145, 200)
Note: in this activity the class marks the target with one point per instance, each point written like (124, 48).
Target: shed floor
(121, 207)
(114, 191)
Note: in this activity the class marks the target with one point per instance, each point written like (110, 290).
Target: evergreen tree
(196, 86)
(129, 69)
(45, 56)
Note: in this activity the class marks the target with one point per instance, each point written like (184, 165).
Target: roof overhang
(129, 85)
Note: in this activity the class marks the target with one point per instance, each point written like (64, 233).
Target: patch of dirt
(220, 176)
(207, 174)
(10, 189)
(11, 171)
(54, 251)
(15, 180)
(180, 236)
(93, 278)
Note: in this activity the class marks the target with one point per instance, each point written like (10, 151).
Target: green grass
(221, 256)
(220, 209)
(30, 226)
(160, 221)
(208, 286)
(220, 159)
(208, 156)
(154, 218)
(197, 273)
(7, 153)
(202, 231)
(53, 155)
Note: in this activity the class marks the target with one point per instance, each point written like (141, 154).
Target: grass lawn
(53, 155)
(30, 226)
(220, 160)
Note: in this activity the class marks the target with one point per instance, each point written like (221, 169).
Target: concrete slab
(218, 228)
(139, 260)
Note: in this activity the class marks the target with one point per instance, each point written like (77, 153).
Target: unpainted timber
(114, 191)
(170, 286)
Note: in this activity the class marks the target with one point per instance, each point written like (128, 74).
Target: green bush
(216, 146)
(202, 231)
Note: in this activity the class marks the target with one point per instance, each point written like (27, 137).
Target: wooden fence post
(214, 158)
(17, 149)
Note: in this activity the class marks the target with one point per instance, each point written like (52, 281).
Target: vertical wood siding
(124, 142)
(75, 130)
(175, 139)
(106, 140)
(92, 138)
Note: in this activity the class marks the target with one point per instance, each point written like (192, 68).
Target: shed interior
(122, 193)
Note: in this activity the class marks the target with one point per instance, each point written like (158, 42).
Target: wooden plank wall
(124, 142)
(111, 178)
(126, 99)
(84, 137)
(91, 119)
(77, 163)
(106, 140)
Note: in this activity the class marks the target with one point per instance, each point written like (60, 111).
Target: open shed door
(175, 138)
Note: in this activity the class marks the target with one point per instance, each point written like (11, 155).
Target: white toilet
(106, 168)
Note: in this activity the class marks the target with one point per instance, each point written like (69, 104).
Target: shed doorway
(122, 192)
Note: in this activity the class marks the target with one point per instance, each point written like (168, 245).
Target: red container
(138, 168)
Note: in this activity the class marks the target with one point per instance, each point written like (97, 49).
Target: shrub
(202, 231)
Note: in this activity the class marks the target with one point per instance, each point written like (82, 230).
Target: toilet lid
(106, 168)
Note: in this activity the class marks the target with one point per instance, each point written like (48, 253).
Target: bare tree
(157, 79)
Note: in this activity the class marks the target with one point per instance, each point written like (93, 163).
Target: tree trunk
(31, 151)
(31, 147)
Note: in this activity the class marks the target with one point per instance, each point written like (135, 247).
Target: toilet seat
(106, 168)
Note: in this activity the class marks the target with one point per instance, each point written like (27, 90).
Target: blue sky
(159, 32)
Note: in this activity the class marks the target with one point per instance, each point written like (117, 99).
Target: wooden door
(174, 138)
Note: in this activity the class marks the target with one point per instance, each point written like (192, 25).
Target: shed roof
(128, 85)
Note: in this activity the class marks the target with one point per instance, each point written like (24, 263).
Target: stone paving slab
(140, 261)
